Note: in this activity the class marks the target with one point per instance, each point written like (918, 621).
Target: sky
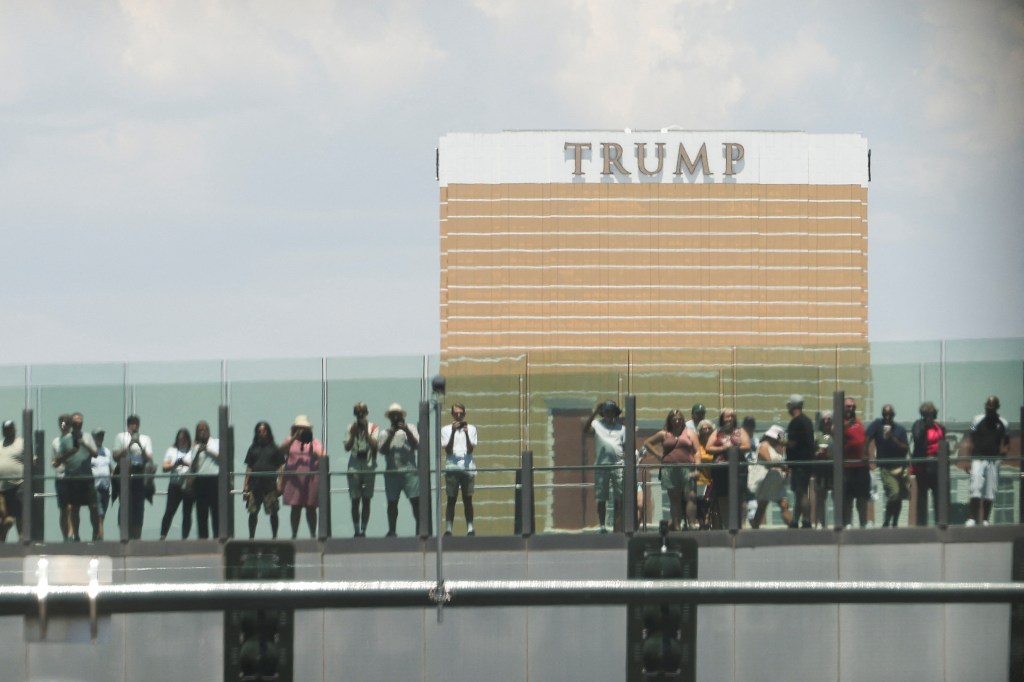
(241, 180)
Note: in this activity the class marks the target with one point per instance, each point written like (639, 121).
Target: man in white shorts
(609, 441)
(987, 442)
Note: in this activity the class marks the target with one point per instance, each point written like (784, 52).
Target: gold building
(728, 268)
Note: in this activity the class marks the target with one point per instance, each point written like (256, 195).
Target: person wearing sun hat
(399, 445)
(300, 482)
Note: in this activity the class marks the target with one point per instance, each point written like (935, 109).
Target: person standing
(12, 471)
(399, 446)
(609, 443)
(59, 482)
(927, 434)
(678, 447)
(301, 483)
(857, 483)
(988, 441)
(771, 481)
(889, 441)
(728, 435)
(822, 473)
(800, 452)
(264, 464)
(178, 462)
(102, 464)
(75, 452)
(206, 469)
(459, 439)
(361, 444)
(134, 450)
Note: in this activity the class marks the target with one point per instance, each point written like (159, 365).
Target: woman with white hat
(769, 483)
(302, 459)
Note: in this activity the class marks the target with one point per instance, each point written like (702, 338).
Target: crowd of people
(792, 458)
(87, 474)
(795, 458)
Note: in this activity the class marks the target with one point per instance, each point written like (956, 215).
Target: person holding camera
(887, 441)
(459, 440)
(264, 463)
(75, 452)
(399, 449)
(361, 444)
(206, 469)
(300, 483)
(139, 450)
(178, 462)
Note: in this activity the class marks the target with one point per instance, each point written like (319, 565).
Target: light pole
(437, 386)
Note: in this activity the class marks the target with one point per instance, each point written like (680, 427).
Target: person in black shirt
(800, 450)
(262, 486)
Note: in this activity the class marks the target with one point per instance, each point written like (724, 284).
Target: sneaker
(969, 523)
(360, 534)
(806, 524)
(470, 533)
(447, 533)
(604, 530)
(985, 523)
(391, 534)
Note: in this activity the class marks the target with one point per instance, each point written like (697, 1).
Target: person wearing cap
(887, 440)
(399, 446)
(987, 443)
(800, 451)
(697, 414)
(101, 467)
(300, 484)
(459, 439)
(609, 442)
(12, 467)
(135, 450)
(361, 444)
(264, 464)
(205, 468)
(822, 474)
(768, 483)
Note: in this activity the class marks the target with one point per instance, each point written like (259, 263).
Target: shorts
(404, 481)
(857, 482)
(80, 493)
(984, 478)
(12, 502)
(799, 478)
(102, 499)
(268, 499)
(896, 487)
(607, 481)
(456, 479)
(60, 485)
(772, 488)
(676, 477)
(361, 474)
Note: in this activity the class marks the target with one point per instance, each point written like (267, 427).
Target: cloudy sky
(183, 180)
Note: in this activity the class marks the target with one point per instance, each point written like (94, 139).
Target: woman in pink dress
(302, 459)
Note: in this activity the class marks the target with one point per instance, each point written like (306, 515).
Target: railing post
(1020, 471)
(836, 452)
(629, 469)
(225, 473)
(124, 504)
(733, 456)
(423, 519)
(527, 518)
(323, 498)
(941, 486)
(28, 485)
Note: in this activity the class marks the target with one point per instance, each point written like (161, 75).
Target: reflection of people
(12, 467)
(609, 441)
(398, 445)
(800, 450)
(459, 439)
(857, 476)
(302, 454)
(988, 441)
(361, 444)
(59, 482)
(264, 463)
(927, 434)
(139, 450)
(75, 453)
(678, 446)
(769, 484)
(727, 435)
(206, 470)
(101, 466)
(178, 461)
(889, 440)
(823, 474)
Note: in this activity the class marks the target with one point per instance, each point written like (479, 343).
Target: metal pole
(526, 495)
(225, 505)
(423, 465)
(28, 486)
(836, 452)
(941, 486)
(439, 482)
(628, 505)
(733, 456)
(323, 500)
(124, 505)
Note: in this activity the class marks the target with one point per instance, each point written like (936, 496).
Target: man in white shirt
(134, 450)
(459, 439)
(12, 467)
(102, 464)
(609, 441)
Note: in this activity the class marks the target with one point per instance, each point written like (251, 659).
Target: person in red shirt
(856, 474)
